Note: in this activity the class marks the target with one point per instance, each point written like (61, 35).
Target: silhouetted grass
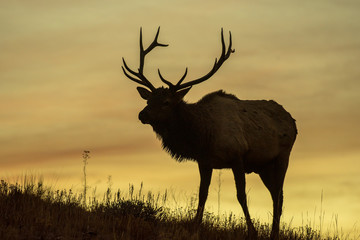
(33, 211)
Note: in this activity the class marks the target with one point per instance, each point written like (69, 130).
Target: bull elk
(219, 131)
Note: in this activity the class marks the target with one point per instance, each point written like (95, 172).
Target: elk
(219, 131)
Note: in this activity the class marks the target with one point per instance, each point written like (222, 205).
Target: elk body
(220, 131)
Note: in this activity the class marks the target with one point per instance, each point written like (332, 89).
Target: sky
(62, 91)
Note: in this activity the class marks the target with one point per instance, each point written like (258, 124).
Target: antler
(139, 77)
(225, 54)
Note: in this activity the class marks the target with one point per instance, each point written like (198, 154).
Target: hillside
(33, 211)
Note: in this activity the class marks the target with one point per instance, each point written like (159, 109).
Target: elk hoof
(252, 234)
(274, 236)
(197, 221)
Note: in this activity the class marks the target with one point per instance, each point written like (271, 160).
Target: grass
(30, 210)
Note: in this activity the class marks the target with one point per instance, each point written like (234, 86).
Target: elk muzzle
(144, 116)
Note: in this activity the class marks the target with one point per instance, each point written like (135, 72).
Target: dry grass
(31, 210)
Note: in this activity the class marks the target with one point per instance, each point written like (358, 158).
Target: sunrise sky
(62, 91)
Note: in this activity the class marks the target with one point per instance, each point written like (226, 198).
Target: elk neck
(183, 134)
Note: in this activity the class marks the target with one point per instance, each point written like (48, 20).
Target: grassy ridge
(32, 211)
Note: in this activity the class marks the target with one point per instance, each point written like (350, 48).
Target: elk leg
(239, 176)
(205, 179)
(273, 177)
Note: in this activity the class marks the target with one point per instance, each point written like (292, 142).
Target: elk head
(162, 102)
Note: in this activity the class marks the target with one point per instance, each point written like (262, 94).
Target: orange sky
(62, 91)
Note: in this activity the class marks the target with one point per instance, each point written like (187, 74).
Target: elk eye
(166, 102)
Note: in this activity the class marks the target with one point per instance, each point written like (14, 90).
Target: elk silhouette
(219, 131)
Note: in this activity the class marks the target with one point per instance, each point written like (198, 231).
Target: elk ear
(144, 93)
(181, 94)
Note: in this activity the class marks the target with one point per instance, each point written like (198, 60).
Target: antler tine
(132, 78)
(139, 76)
(141, 79)
(182, 78)
(229, 51)
(164, 80)
(225, 54)
(172, 86)
(155, 43)
(223, 42)
(149, 48)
